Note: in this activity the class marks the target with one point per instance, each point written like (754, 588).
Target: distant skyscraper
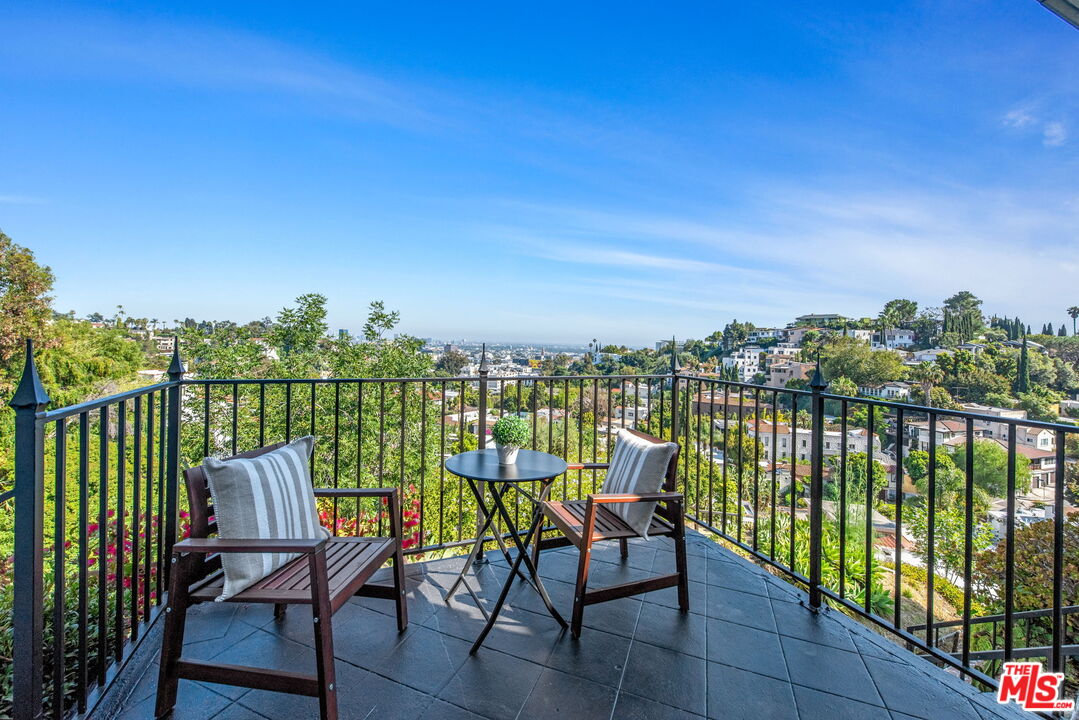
(342, 334)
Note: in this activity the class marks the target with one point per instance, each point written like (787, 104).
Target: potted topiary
(510, 433)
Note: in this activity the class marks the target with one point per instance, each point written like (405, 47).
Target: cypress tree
(1063, 332)
(1022, 380)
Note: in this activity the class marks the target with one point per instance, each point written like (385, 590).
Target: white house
(758, 334)
(894, 339)
(930, 355)
(747, 362)
(895, 390)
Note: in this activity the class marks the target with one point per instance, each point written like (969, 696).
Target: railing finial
(30, 393)
(484, 367)
(176, 367)
(817, 382)
(675, 365)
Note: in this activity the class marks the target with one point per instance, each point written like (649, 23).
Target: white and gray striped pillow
(637, 466)
(269, 496)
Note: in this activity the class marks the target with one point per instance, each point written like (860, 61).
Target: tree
(299, 329)
(854, 359)
(1022, 375)
(379, 322)
(927, 375)
(451, 363)
(857, 479)
(963, 315)
(902, 312)
(949, 481)
(991, 468)
(1033, 569)
(1073, 313)
(25, 304)
(949, 537)
(843, 386)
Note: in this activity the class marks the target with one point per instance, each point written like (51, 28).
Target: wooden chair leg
(399, 588)
(279, 611)
(623, 546)
(172, 641)
(580, 590)
(680, 562)
(322, 613)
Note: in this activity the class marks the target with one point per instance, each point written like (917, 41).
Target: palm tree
(927, 375)
(1073, 312)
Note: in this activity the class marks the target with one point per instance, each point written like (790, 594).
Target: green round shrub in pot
(511, 433)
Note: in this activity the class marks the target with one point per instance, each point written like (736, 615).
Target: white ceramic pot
(507, 454)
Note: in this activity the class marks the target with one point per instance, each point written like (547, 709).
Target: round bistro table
(482, 471)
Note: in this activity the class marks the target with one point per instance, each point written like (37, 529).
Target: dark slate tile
(819, 628)
(377, 697)
(668, 597)
(735, 577)
(441, 710)
(266, 650)
(617, 616)
(917, 694)
(734, 694)
(696, 565)
(815, 704)
(236, 711)
(425, 660)
(665, 675)
(746, 647)
(558, 695)
(524, 596)
(492, 684)
(284, 706)
(672, 629)
(193, 702)
(598, 656)
(826, 668)
(634, 707)
(739, 607)
(779, 589)
(523, 634)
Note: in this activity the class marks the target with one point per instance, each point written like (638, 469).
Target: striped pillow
(269, 496)
(637, 466)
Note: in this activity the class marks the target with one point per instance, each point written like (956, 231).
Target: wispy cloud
(1034, 117)
(1054, 134)
(21, 200)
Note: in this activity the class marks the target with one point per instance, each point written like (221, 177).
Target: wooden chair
(327, 573)
(585, 522)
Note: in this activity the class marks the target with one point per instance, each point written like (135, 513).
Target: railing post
(816, 487)
(676, 368)
(481, 440)
(172, 456)
(29, 399)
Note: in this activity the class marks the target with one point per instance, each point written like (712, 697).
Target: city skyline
(629, 174)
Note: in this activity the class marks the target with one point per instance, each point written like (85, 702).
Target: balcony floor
(747, 649)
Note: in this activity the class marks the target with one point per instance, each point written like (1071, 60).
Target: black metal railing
(798, 479)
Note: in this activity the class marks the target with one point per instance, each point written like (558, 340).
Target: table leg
(522, 556)
(488, 520)
(522, 547)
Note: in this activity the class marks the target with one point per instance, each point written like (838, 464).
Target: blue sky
(545, 171)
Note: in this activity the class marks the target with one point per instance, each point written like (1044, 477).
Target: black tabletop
(483, 465)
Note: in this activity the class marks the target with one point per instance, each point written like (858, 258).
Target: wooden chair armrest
(603, 498)
(355, 492)
(255, 545)
(588, 466)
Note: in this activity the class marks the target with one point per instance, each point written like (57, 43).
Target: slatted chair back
(201, 509)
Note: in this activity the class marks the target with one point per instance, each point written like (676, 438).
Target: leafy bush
(511, 430)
